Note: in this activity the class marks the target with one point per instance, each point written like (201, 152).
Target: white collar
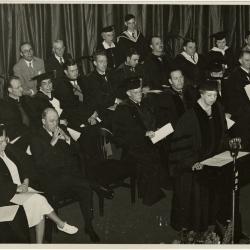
(107, 46)
(189, 58)
(222, 51)
(58, 57)
(245, 70)
(28, 62)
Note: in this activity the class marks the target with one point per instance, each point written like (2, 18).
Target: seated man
(57, 59)
(70, 91)
(27, 67)
(99, 93)
(129, 68)
(109, 46)
(13, 113)
(156, 65)
(56, 156)
(133, 126)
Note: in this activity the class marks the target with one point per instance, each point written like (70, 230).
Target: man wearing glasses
(27, 67)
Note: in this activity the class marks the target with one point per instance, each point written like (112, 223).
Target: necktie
(30, 65)
(25, 118)
(133, 35)
(61, 60)
(193, 58)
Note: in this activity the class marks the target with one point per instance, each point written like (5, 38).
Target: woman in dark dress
(199, 134)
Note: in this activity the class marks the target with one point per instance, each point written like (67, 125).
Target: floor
(124, 223)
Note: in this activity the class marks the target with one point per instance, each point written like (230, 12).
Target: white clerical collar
(107, 46)
(193, 60)
(222, 51)
(245, 70)
(29, 62)
(58, 58)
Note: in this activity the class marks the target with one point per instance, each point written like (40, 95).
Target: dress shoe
(105, 192)
(68, 229)
(92, 234)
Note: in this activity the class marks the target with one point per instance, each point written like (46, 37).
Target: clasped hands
(23, 188)
(59, 134)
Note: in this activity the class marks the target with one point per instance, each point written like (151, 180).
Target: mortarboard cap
(131, 83)
(219, 35)
(108, 28)
(44, 76)
(209, 85)
(128, 17)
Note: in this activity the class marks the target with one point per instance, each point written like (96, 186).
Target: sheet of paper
(14, 140)
(162, 133)
(74, 134)
(222, 159)
(247, 89)
(20, 198)
(230, 123)
(8, 213)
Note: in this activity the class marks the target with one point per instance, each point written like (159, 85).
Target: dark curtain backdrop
(79, 26)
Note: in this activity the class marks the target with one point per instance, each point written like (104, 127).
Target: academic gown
(197, 194)
(130, 124)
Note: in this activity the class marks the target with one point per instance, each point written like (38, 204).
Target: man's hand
(197, 166)
(23, 188)
(92, 119)
(150, 134)
(59, 134)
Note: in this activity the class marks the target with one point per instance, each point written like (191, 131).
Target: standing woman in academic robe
(199, 134)
(191, 63)
(14, 186)
(221, 53)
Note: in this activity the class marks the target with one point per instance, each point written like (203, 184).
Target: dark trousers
(16, 231)
(74, 186)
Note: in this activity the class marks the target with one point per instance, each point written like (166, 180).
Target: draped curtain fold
(80, 26)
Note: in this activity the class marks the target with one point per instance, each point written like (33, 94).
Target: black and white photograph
(124, 123)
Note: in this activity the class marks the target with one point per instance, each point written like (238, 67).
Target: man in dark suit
(133, 126)
(156, 65)
(236, 99)
(27, 67)
(13, 113)
(129, 68)
(131, 38)
(99, 93)
(109, 46)
(56, 155)
(71, 92)
(58, 58)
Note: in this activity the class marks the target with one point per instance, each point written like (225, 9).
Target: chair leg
(48, 230)
(101, 206)
(132, 189)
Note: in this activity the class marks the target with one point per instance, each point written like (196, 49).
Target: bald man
(57, 59)
(56, 156)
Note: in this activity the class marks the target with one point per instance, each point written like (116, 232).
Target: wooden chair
(111, 171)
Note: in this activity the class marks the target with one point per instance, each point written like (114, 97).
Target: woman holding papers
(15, 191)
(199, 134)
